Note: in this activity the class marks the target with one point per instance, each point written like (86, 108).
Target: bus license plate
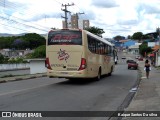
(64, 72)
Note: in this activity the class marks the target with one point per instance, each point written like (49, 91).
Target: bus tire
(99, 75)
(111, 71)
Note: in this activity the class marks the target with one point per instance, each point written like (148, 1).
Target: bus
(76, 53)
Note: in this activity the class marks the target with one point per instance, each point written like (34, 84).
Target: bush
(39, 52)
(19, 60)
(12, 60)
(1, 58)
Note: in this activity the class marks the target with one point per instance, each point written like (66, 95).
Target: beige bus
(75, 53)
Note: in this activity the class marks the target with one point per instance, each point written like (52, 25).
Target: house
(14, 53)
(125, 43)
(129, 43)
(134, 49)
(155, 56)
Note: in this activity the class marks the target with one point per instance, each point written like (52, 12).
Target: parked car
(133, 64)
(140, 58)
(129, 61)
(123, 57)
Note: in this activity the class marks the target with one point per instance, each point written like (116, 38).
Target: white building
(134, 49)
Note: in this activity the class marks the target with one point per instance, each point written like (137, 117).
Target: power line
(9, 5)
(15, 27)
(12, 5)
(13, 21)
(78, 8)
(28, 21)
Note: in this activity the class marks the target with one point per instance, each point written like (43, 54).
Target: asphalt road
(51, 94)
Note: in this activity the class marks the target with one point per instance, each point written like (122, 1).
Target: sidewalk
(22, 77)
(147, 97)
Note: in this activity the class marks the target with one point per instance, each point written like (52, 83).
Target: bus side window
(106, 49)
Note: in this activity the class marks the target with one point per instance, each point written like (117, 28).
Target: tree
(1, 58)
(143, 48)
(146, 37)
(18, 44)
(118, 37)
(95, 30)
(34, 40)
(39, 52)
(129, 36)
(137, 36)
(30, 40)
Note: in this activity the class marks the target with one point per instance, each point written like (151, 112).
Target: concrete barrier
(37, 65)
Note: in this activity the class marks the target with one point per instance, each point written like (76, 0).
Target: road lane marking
(143, 77)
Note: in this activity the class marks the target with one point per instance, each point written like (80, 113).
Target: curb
(3, 81)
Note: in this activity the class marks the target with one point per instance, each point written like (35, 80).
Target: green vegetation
(143, 48)
(39, 52)
(118, 37)
(1, 58)
(5, 60)
(30, 40)
(95, 30)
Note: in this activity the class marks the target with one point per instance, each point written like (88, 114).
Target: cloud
(90, 15)
(148, 8)
(116, 17)
(128, 22)
(44, 16)
(104, 3)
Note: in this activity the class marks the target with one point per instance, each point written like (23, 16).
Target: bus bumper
(67, 74)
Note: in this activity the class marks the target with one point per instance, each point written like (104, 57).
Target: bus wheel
(111, 71)
(99, 75)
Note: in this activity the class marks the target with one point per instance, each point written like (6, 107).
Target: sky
(115, 17)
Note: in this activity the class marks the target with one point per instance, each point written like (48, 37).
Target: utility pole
(66, 11)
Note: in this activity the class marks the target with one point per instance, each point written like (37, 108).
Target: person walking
(147, 68)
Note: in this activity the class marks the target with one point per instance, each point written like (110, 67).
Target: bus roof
(99, 38)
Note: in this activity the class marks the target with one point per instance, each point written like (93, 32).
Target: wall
(37, 66)
(158, 61)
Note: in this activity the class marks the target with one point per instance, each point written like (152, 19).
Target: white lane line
(143, 77)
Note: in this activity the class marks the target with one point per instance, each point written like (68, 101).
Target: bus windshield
(65, 37)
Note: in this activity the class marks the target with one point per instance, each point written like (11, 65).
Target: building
(15, 53)
(75, 23)
(63, 24)
(134, 49)
(85, 24)
(154, 56)
(125, 44)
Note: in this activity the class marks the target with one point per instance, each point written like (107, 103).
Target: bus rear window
(65, 38)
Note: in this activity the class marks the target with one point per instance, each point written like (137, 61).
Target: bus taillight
(47, 64)
(83, 64)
